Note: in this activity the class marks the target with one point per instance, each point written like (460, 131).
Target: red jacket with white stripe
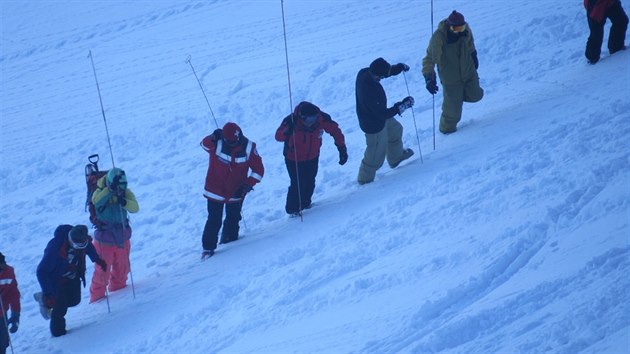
(9, 290)
(229, 167)
(305, 141)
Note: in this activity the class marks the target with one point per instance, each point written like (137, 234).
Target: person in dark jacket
(9, 300)
(302, 133)
(597, 11)
(452, 49)
(61, 272)
(231, 157)
(383, 133)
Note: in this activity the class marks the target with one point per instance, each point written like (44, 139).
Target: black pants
(69, 295)
(306, 171)
(617, 36)
(213, 223)
(4, 334)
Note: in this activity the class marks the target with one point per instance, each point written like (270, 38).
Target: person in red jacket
(228, 180)
(302, 133)
(597, 11)
(9, 299)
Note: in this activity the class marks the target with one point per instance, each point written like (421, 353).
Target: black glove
(343, 155)
(242, 190)
(432, 86)
(102, 264)
(14, 322)
(475, 60)
(405, 104)
(216, 134)
(290, 127)
(398, 68)
(121, 198)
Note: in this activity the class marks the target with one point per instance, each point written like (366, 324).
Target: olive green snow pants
(454, 97)
(386, 143)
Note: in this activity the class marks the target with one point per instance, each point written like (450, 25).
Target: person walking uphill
(302, 133)
(597, 11)
(452, 49)
(383, 133)
(61, 271)
(9, 300)
(228, 180)
(112, 200)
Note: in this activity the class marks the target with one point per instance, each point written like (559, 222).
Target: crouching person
(61, 272)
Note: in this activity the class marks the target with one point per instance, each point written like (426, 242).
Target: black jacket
(372, 108)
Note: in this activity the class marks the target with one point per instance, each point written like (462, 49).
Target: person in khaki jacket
(452, 49)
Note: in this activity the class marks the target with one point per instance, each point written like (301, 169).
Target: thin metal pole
(414, 120)
(202, 90)
(286, 55)
(433, 61)
(109, 142)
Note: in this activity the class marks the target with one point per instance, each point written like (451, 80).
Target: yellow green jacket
(107, 207)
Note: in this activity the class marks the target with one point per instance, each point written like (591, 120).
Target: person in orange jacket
(9, 300)
(234, 168)
(301, 132)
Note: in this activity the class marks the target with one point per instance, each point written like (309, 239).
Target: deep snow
(511, 236)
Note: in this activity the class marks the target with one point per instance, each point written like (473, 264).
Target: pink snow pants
(117, 269)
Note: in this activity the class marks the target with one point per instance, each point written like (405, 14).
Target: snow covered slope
(512, 235)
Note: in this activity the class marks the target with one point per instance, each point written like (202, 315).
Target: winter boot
(206, 254)
(407, 153)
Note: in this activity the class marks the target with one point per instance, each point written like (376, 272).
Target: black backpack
(92, 175)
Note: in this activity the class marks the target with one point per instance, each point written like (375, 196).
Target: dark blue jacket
(371, 103)
(55, 263)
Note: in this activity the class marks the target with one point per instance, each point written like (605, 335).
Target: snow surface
(511, 235)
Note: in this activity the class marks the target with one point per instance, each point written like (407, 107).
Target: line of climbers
(235, 167)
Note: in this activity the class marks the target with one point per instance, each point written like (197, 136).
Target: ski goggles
(78, 245)
(458, 29)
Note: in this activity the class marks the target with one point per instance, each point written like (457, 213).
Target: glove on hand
(475, 59)
(432, 86)
(398, 68)
(121, 198)
(102, 264)
(343, 155)
(405, 104)
(14, 322)
(216, 135)
(242, 190)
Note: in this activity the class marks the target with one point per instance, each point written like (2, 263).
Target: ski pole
(414, 120)
(102, 109)
(202, 90)
(6, 323)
